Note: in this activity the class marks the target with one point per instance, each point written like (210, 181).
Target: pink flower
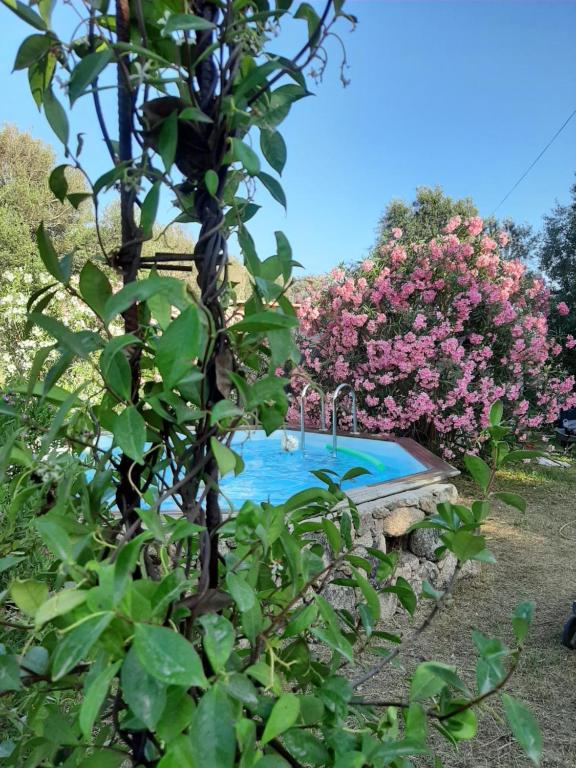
(570, 341)
(397, 233)
(563, 308)
(453, 224)
(475, 226)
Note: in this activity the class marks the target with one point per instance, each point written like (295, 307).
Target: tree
(429, 213)
(162, 640)
(557, 259)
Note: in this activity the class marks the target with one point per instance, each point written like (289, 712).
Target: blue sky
(458, 94)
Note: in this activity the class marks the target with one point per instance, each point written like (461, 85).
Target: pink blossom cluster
(431, 334)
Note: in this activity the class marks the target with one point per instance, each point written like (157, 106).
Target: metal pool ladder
(317, 388)
(337, 391)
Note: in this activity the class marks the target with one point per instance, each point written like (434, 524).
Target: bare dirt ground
(536, 560)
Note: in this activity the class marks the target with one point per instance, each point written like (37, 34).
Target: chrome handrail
(354, 413)
(317, 388)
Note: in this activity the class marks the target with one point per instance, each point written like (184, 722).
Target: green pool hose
(365, 457)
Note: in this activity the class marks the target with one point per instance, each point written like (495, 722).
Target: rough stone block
(424, 542)
(437, 493)
(400, 520)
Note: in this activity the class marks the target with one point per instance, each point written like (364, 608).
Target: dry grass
(536, 561)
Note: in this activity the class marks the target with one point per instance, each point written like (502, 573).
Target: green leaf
(462, 726)
(524, 727)
(274, 187)
(144, 694)
(369, 594)
(479, 470)
(179, 346)
(265, 321)
(465, 545)
(95, 692)
(242, 593)
(306, 12)
(60, 604)
(40, 76)
(333, 535)
(224, 409)
(274, 149)
(76, 198)
(496, 413)
(426, 682)
(512, 500)
(48, 254)
(168, 140)
(29, 595)
(130, 433)
(353, 473)
(194, 115)
(245, 155)
(183, 21)
(31, 50)
(300, 621)
(109, 178)
(212, 732)
(218, 640)
(79, 344)
(405, 594)
(9, 562)
(9, 673)
(211, 181)
(416, 724)
(56, 116)
(521, 620)
(520, 455)
(149, 210)
(226, 459)
(306, 748)
(114, 365)
(77, 643)
(242, 689)
(126, 563)
(87, 71)
(58, 182)
(105, 758)
(25, 13)
(168, 656)
(283, 716)
(177, 715)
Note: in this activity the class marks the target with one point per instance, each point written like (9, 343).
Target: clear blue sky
(460, 94)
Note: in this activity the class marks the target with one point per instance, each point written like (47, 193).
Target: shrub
(430, 333)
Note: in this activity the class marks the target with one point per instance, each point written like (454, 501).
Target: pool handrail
(317, 388)
(334, 413)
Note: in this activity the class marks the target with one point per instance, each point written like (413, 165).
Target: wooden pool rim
(437, 470)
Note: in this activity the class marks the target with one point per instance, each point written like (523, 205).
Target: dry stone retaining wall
(384, 524)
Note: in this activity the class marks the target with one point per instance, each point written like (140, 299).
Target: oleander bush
(431, 333)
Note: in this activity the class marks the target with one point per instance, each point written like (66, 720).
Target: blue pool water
(273, 474)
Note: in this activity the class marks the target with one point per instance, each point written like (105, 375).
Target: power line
(533, 163)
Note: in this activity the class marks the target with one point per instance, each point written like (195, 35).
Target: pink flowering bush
(430, 334)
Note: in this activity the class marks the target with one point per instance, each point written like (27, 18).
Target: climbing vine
(163, 632)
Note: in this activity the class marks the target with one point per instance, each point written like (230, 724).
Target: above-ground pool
(273, 473)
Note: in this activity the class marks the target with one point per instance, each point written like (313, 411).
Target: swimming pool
(274, 474)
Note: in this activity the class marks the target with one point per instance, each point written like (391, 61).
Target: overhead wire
(533, 163)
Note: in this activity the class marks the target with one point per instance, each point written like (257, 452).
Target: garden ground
(536, 560)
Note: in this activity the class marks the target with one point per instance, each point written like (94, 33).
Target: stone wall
(384, 525)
